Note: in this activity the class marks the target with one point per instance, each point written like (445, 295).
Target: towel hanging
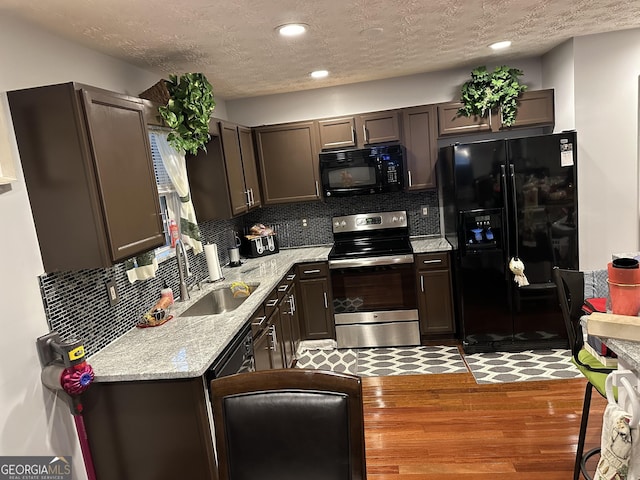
(620, 441)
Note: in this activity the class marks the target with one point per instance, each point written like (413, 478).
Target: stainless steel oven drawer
(380, 316)
(391, 334)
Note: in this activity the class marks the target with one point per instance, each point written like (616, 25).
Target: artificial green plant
(188, 111)
(486, 91)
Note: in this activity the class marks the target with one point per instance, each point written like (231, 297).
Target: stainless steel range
(373, 281)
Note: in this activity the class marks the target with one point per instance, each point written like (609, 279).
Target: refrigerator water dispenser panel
(482, 229)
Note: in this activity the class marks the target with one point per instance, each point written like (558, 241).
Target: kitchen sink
(218, 301)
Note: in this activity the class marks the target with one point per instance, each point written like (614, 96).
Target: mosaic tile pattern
(531, 365)
(77, 306)
(378, 362)
(286, 218)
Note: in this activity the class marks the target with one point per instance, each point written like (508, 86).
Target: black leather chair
(570, 285)
(292, 424)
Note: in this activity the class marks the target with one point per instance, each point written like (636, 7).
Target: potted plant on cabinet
(487, 91)
(187, 103)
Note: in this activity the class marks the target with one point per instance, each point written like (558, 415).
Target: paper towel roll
(213, 263)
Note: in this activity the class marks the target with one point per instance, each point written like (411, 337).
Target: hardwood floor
(423, 427)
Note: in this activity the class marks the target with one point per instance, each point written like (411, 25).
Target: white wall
(558, 73)
(364, 97)
(30, 423)
(606, 101)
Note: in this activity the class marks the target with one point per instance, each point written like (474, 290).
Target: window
(169, 200)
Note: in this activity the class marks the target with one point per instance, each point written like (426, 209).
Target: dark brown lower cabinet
(262, 351)
(150, 430)
(435, 302)
(287, 293)
(315, 301)
(277, 349)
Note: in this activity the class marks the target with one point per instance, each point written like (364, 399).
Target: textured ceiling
(235, 45)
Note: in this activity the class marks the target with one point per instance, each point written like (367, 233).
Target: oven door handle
(370, 261)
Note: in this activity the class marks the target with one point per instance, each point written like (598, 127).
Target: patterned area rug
(377, 362)
(502, 367)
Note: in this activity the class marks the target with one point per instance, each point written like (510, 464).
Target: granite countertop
(628, 352)
(185, 347)
(429, 244)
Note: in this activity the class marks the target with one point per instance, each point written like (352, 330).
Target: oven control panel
(370, 221)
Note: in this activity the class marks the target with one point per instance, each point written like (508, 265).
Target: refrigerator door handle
(503, 178)
(514, 201)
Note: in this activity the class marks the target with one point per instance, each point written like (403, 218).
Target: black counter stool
(289, 424)
(570, 284)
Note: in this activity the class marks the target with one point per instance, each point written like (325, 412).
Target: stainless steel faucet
(184, 270)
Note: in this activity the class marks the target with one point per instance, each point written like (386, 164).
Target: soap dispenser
(167, 292)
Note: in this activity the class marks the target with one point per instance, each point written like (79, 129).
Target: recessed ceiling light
(292, 29)
(320, 74)
(500, 45)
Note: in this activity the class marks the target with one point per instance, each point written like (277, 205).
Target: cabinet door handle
(291, 277)
(260, 323)
(326, 302)
(309, 272)
(353, 135)
(409, 172)
(283, 288)
(364, 131)
(274, 338)
(272, 303)
(251, 200)
(293, 304)
(317, 189)
(421, 283)
(246, 192)
(426, 262)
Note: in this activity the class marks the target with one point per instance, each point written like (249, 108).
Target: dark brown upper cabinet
(535, 109)
(87, 164)
(337, 133)
(359, 130)
(420, 138)
(450, 123)
(224, 180)
(288, 159)
(379, 127)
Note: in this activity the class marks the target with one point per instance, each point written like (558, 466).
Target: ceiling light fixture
(500, 45)
(292, 29)
(319, 74)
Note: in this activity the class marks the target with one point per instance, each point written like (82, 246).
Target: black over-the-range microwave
(363, 171)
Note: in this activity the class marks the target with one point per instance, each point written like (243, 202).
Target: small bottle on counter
(173, 233)
(166, 292)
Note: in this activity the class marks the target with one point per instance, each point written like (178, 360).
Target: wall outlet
(112, 292)
(425, 211)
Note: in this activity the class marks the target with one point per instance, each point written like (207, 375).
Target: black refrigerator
(504, 199)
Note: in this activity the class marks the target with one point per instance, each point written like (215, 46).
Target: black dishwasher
(237, 357)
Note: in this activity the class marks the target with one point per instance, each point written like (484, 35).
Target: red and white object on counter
(173, 233)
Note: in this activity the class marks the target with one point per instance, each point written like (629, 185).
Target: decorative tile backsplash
(77, 306)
